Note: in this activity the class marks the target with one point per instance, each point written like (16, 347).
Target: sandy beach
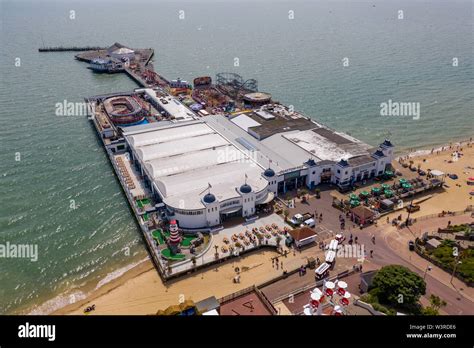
(455, 196)
(141, 291)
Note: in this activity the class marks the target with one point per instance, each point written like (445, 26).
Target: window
(338, 171)
(346, 172)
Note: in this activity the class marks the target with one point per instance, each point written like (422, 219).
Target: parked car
(453, 176)
(422, 172)
(411, 245)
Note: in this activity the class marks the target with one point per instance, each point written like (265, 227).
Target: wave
(65, 299)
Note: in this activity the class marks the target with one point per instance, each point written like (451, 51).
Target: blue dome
(269, 172)
(379, 153)
(209, 198)
(343, 163)
(245, 188)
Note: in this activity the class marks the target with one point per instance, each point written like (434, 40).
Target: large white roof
(183, 159)
(324, 148)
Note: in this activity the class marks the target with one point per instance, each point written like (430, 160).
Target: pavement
(391, 247)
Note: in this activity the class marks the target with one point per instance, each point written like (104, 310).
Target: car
(413, 169)
(453, 176)
(411, 245)
(422, 172)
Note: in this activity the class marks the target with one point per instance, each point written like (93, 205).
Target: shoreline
(146, 267)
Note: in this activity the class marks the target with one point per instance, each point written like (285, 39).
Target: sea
(335, 61)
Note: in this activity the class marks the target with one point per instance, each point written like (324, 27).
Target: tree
(398, 286)
(436, 302)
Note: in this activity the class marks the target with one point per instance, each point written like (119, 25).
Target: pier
(71, 49)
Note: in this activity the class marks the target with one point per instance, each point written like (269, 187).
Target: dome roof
(379, 153)
(209, 198)
(343, 163)
(245, 188)
(269, 172)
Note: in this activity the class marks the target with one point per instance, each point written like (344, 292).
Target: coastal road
(388, 253)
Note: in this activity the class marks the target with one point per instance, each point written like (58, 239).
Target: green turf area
(142, 202)
(187, 241)
(167, 254)
(157, 235)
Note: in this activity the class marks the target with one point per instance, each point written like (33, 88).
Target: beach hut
(303, 236)
(437, 174)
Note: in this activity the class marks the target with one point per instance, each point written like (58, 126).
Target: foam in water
(64, 299)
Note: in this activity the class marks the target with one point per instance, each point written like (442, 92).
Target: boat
(105, 66)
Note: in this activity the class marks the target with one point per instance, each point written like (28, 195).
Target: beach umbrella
(403, 181)
(353, 196)
(388, 193)
(385, 186)
(354, 203)
(364, 193)
(375, 190)
(342, 284)
(389, 173)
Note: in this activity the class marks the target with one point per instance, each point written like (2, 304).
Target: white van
(309, 223)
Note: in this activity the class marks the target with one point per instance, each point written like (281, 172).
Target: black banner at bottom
(236, 330)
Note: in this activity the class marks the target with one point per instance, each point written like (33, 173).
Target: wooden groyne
(71, 49)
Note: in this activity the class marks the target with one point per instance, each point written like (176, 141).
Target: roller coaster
(233, 84)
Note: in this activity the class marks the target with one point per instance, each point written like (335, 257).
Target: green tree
(436, 302)
(398, 286)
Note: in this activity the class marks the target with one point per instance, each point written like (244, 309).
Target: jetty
(71, 49)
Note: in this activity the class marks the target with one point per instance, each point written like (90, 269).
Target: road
(387, 252)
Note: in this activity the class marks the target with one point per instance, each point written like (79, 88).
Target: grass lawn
(157, 235)
(444, 254)
(167, 254)
(187, 241)
(142, 202)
